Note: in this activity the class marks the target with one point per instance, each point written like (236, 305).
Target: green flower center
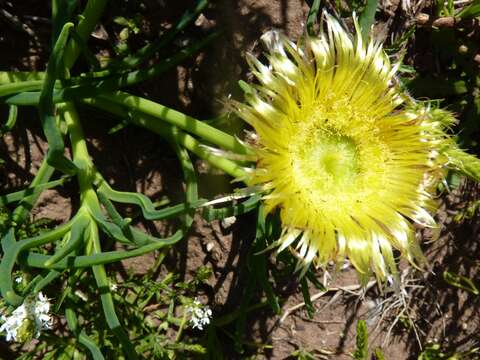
(336, 157)
(326, 161)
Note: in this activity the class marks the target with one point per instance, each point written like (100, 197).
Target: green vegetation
(95, 310)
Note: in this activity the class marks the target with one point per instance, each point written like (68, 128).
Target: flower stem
(176, 118)
(182, 326)
(171, 133)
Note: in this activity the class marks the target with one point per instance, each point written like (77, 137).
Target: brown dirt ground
(137, 160)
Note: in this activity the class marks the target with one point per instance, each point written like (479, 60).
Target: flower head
(27, 320)
(199, 315)
(348, 159)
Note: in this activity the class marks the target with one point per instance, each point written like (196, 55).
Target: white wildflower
(200, 315)
(113, 287)
(19, 279)
(27, 320)
(12, 323)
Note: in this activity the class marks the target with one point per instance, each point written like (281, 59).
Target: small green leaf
(367, 18)
(461, 282)
(46, 107)
(312, 16)
(20, 195)
(378, 354)
(306, 297)
(245, 87)
(12, 119)
(361, 351)
(470, 11)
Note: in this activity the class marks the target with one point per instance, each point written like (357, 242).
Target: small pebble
(229, 221)
(210, 246)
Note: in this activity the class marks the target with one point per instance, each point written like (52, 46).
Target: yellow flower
(350, 162)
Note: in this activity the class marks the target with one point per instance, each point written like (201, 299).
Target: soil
(136, 160)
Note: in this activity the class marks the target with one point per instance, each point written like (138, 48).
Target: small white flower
(32, 310)
(41, 310)
(19, 279)
(113, 287)
(200, 315)
(12, 323)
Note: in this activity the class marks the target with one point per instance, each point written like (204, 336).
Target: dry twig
(317, 296)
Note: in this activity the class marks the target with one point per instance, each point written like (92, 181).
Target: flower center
(336, 157)
(325, 162)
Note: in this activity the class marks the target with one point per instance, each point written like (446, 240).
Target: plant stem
(77, 138)
(43, 175)
(90, 16)
(172, 134)
(7, 77)
(16, 87)
(79, 149)
(194, 146)
(106, 297)
(92, 12)
(182, 326)
(176, 118)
